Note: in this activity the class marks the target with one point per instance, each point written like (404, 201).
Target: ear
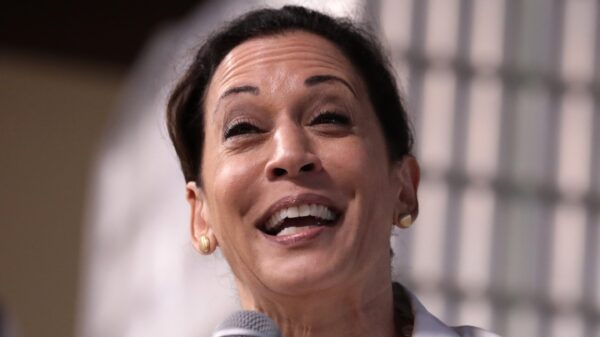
(408, 173)
(199, 224)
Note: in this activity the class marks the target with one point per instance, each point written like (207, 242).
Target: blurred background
(505, 99)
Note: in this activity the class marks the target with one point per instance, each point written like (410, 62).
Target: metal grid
(537, 195)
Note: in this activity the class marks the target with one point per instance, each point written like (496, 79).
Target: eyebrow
(309, 82)
(236, 90)
(318, 79)
(244, 88)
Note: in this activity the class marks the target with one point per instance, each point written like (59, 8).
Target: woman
(296, 149)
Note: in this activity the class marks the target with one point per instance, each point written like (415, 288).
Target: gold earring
(204, 244)
(405, 221)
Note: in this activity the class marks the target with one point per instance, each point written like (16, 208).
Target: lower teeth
(293, 230)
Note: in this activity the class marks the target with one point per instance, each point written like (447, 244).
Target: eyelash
(330, 117)
(240, 128)
(244, 127)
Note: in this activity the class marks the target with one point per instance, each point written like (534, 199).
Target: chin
(306, 274)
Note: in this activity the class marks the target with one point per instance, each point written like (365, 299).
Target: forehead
(295, 53)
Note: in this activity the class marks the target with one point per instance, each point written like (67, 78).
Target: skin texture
(265, 140)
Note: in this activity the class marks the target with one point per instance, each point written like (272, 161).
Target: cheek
(230, 182)
(361, 169)
(360, 162)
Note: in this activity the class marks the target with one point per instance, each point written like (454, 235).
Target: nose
(292, 155)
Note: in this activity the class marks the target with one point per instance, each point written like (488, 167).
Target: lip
(296, 239)
(296, 200)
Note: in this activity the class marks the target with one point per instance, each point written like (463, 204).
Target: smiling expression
(298, 190)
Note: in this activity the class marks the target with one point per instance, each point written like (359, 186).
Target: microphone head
(247, 324)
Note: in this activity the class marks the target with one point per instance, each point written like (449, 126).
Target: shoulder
(427, 325)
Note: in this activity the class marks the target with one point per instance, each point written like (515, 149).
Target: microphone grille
(247, 323)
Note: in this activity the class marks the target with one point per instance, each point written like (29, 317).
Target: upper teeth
(317, 211)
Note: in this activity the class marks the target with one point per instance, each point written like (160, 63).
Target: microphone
(247, 324)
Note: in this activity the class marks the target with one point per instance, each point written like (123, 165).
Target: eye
(330, 117)
(241, 128)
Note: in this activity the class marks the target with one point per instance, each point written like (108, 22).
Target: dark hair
(185, 111)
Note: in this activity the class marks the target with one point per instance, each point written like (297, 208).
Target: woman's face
(297, 191)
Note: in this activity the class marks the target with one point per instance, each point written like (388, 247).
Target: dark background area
(106, 32)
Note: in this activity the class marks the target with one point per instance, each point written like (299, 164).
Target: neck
(356, 310)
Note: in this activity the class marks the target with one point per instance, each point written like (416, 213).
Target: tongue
(297, 225)
(303, 221)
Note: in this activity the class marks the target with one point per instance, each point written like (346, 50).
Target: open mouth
(295, 219)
